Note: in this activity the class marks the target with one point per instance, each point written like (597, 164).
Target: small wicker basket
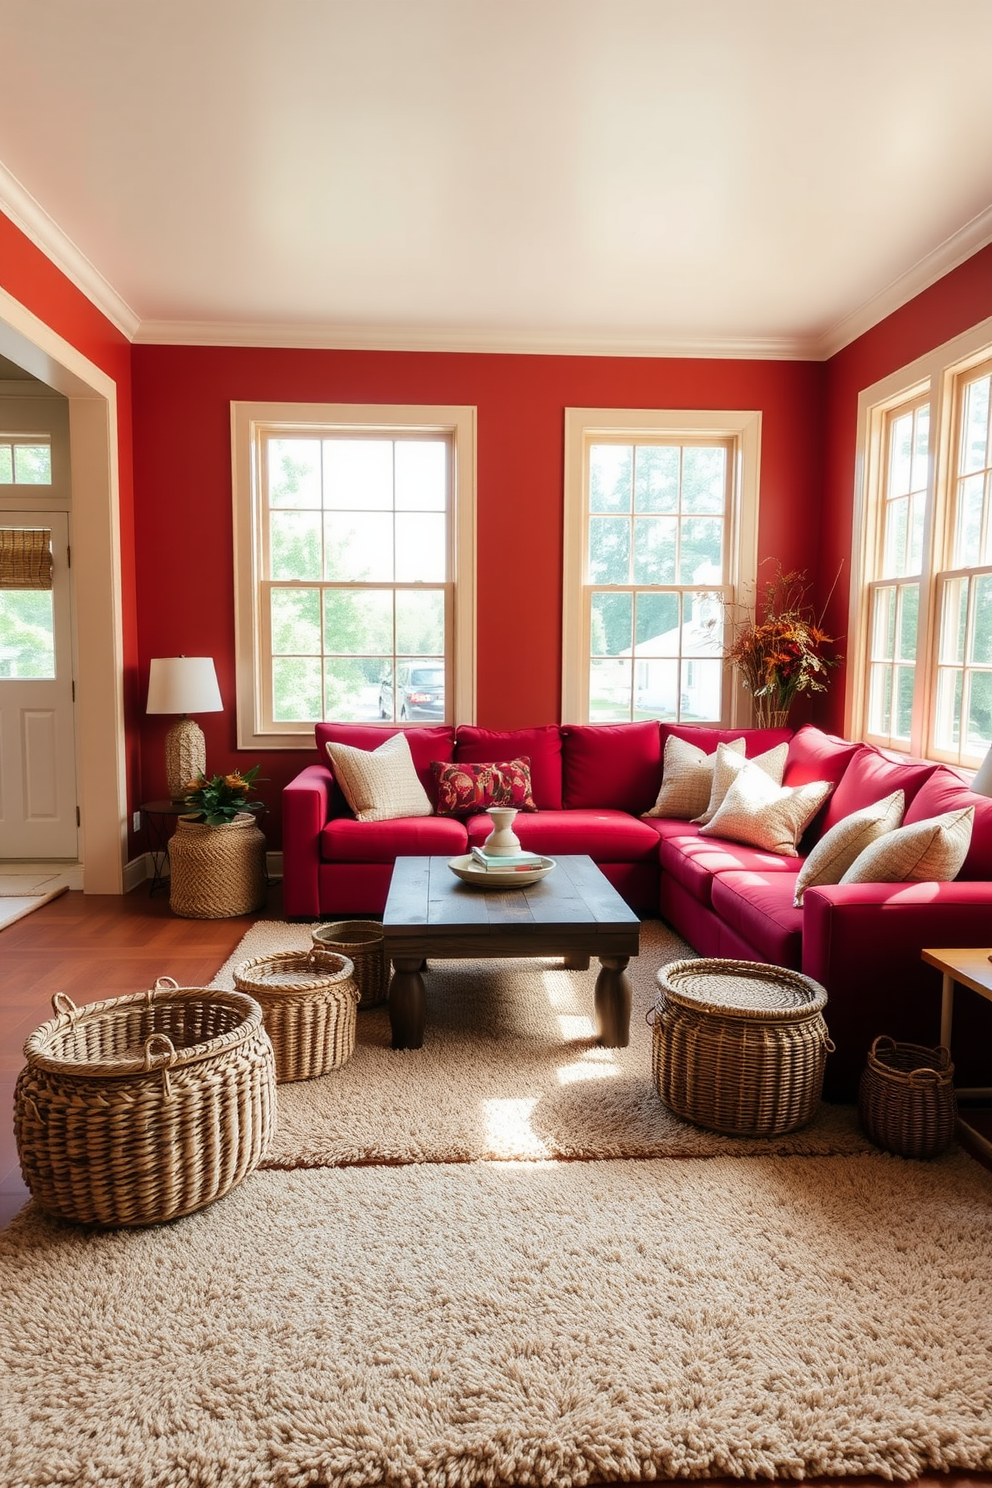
(143, 1108)
(739, 1046)
(309, 1002)
(906, 1100)
(364, 943)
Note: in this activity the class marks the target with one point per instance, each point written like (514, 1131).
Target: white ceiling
(718, 176)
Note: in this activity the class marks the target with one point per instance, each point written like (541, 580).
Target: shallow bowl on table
(470, 872)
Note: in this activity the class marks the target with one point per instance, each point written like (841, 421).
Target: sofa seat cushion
(671, 826)
(869, 777)
(540, 745)
(693, 862)
(944, 792)
(345, 840)
(612, 765)
(758, 907)
(607, 836)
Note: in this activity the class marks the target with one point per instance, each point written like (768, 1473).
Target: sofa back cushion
(869, 776)
(613, 766)
(814, 755)
(541, 745)
(756, 740)
(426, 744)
(945, 791)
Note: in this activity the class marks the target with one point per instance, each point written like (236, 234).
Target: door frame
(98, 614)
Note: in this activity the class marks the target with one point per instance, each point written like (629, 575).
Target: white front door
(37, 747)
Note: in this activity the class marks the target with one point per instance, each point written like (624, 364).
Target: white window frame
(936, 373)
(583, 427)
(249, 423)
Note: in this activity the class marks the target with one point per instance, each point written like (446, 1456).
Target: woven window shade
(25, 558)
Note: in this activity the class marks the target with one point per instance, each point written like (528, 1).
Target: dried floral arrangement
(784, 650)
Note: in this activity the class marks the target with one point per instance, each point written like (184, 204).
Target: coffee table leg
(613, 1002)
(406, 1003)
(575, 963)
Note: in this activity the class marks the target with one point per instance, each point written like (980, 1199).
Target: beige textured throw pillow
(729, 764)
(687, 779)
(757, 811)
(846, 840)
(932, 850)
(380, 784)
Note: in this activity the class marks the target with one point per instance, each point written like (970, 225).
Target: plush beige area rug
(510, 1069)
(530, 1323)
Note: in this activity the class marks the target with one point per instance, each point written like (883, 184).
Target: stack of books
(518, 862)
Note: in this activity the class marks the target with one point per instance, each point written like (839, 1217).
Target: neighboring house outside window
(921, 607)
(660, 535)
(354, 536)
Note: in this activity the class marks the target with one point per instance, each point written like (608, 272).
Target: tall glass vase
(766, 715)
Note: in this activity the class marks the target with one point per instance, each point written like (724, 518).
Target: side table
(970, 966)
(159, 818)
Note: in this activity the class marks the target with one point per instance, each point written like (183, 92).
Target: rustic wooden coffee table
(574, 912)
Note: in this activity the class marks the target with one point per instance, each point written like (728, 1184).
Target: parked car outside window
(419, 693)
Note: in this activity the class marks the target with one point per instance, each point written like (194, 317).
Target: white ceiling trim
(975, 235)
(22, 209)
(522, 343)
(26, 213)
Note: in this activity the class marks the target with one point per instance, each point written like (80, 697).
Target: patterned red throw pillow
(464, 789)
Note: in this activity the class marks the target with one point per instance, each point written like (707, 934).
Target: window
(25, 460)
(355, 560)
(921, 618)
(660, 534)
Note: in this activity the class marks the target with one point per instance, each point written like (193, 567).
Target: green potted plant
(217, 852)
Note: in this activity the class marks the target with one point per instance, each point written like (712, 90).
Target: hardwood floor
(94, 946)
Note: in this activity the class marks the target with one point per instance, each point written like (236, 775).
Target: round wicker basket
(364, 943)
(309, 1001)
(906, 1100)
(143, 1108)
(217, 872)
(739, 1046)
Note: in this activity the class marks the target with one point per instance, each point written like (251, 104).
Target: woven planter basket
(739, 1046)
(906, 1101)
(142, 1108)
(217, 872)
(309, 1001)
(363, 942)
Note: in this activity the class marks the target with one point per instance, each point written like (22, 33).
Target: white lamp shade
(183, 684)
(982, 783)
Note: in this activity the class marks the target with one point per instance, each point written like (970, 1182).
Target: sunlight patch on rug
(504, 1036)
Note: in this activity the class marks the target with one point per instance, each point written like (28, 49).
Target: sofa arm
(306, 808)
(863, 943)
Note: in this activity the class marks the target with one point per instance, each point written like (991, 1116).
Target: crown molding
(975, 235)
(34, 222)
(511, 343)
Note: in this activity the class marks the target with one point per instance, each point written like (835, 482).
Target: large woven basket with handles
(364, 943)
(906, 1100)
(143, 1108)
(739, 1046)
(309, 1001)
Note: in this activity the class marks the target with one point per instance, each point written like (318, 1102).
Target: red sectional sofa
(591, 785)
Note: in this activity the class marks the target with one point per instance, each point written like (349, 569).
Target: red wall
(33, 280)
(958, 301)
(182, 442)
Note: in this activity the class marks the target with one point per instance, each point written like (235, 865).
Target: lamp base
(185, 755)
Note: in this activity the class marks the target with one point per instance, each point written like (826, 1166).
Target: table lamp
(183, 684)
(982, 783)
